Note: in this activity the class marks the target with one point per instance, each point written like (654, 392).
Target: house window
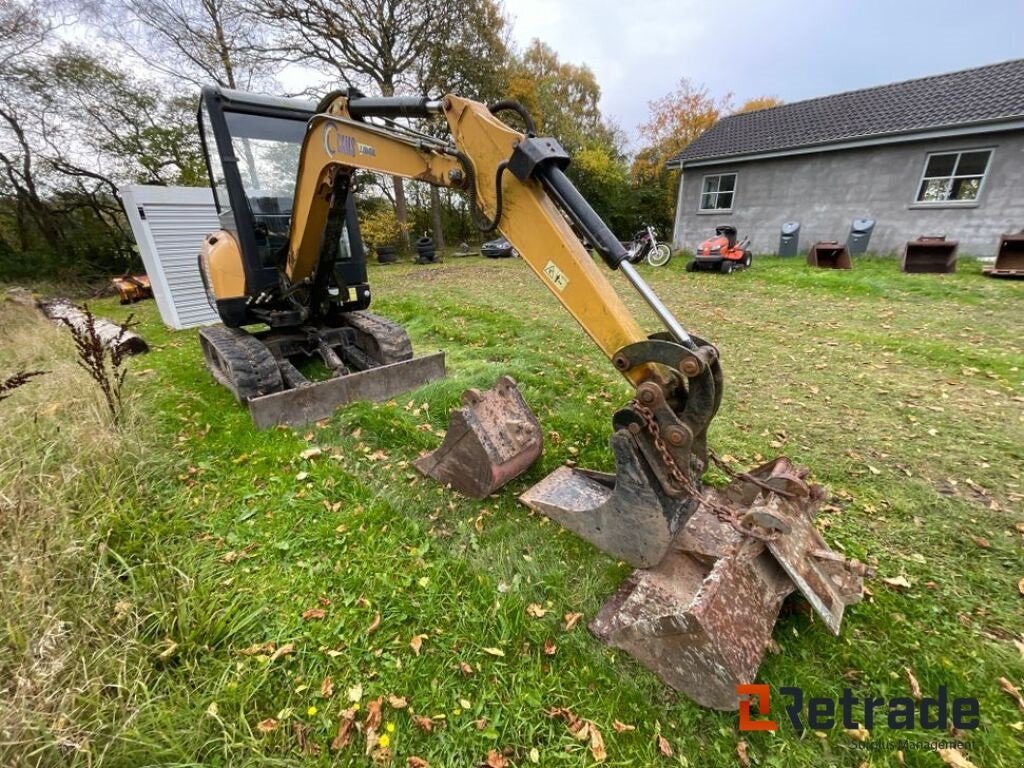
(953, 177)
(718, 191)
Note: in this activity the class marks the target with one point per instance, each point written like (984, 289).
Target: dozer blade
(493, 438)
(702, 618)
(313, 402)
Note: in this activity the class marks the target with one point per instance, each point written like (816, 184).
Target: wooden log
(109, 333)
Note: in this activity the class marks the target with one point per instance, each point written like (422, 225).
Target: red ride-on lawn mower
(722, 252)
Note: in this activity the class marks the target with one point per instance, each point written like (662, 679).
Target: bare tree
(202, 42)
(376, 44)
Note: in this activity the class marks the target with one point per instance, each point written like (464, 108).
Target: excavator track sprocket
(240, 362)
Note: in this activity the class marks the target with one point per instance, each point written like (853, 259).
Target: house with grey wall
(941, 155)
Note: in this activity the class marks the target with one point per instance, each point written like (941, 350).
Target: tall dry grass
(71, 658)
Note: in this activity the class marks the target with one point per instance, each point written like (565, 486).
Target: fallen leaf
(664, 747)
(741, 753)
(425, 724)
(344, 734)
(397, 702)
(373, 714)
(268, 725)
(310, 453)
(495, 759)
(954, 758)
(1020, 586)
(1012, 690)
(494, 651)
(373, 625)
(571, 619)
(981, 542)
(355, 693)
(416, 762)
(465, 668)
(416, 643)
(621, 727)
(550, 648)
(313, 613)
(597, 744)
(915, 688)
(536, 610)
(301, 476)
(858, 734)
(534, 755)
(897, 582)
(284, 650)
(327, 687)
(258, 649)
(170, 648)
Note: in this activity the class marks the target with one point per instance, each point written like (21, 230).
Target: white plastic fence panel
(169, 224)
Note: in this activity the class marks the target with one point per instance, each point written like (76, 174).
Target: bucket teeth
(493, 438)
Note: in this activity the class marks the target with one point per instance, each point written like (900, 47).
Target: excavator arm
(518, 181)
(713, 566)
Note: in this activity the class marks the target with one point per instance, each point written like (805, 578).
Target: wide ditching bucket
(493, 438)
(1009, 257)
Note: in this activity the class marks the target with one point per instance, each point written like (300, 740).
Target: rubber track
(240, 362)
(384, 340)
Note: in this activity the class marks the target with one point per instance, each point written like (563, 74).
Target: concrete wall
(825, 191)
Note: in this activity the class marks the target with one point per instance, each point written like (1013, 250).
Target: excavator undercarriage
(713, 565)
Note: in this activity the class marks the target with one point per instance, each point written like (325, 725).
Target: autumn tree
(759, 103)
(564, 98)
(676, 119)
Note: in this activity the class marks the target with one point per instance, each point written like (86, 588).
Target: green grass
(903, 393)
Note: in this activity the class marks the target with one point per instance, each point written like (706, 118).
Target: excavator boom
(709, 565)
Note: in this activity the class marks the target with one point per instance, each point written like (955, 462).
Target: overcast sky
(793, 49)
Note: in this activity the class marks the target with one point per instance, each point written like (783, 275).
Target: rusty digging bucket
(1009, 257)
(935, 255)
(829, 254)
(493, 438)
(702, 617)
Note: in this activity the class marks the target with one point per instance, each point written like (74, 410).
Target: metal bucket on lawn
(493, 438)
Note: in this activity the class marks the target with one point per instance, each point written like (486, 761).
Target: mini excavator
(713, 565)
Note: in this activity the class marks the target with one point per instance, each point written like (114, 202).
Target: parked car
(498, 249)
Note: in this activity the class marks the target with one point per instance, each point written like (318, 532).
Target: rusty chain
(729, 515)
(747, 477)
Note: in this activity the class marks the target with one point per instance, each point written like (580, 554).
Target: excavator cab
(253, 146)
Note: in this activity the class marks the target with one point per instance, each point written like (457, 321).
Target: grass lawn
(155, 576)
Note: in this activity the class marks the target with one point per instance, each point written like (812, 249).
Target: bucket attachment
(702, 617)
(929, 254)
(1009, 257)
(628, 514)
(829, 254)
(493, 438)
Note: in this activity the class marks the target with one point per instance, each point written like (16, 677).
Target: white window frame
(953, 203)
(700, 196)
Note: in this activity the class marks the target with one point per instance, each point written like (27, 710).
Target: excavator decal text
(338, 143)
